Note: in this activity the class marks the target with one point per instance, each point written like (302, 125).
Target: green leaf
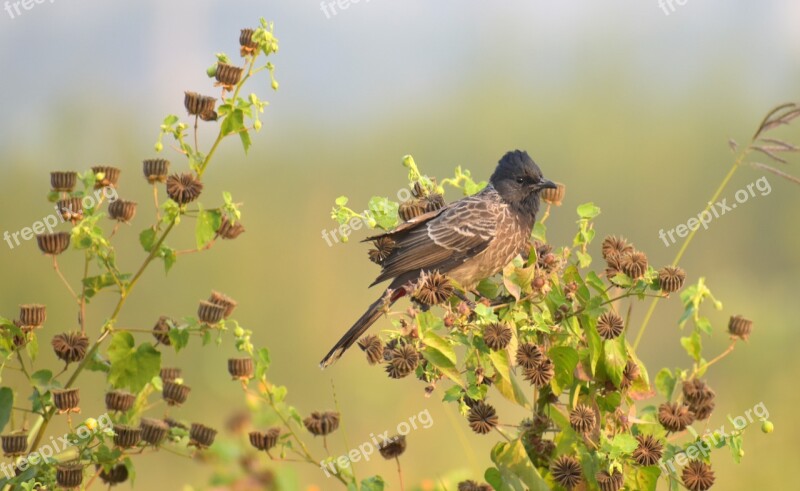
(615, 359)
(247, 141)
(178, 337)
(169, 256)
(262, 362)
(488, 288)
(593, 340)
(515, 468)
(501, 363)
(147, 238)
(6, 406)
(665, 383)
(588, 210)
(511, 390)
(443, 363)
(132, 367)
(384, 212)
(441, 345)
(565, 360)
(374, 483)
(704, 325)
(208, 222)
(233, 122)
(33, 347)
(486, 313)
(693, 345)
(647, 478)
(540, 232)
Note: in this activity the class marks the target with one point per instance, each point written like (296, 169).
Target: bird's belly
(488, 263)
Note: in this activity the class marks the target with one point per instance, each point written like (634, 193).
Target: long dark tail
(372, 314)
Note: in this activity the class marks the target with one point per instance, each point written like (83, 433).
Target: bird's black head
(519, 181)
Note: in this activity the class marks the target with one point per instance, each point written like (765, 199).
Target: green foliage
(132, 366)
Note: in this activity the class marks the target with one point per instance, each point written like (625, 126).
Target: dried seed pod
(240, 368)
(473, 486)
(53, 244)
(105, 176)
(121, 210)
(610, 325)
(497, 336)
(392, 448)
(529, 355)
(629, 374)
(155, 170)
(161, 330)
(675, 417)
(671, 279)
(433, 202)
(14, 444)
(174, 393)
(482, 418)
(698, 476)
(229, 231)
(582, 419)
(199, 105)
(700, 398)
(169, 374)
(201, 436)
(383, 248)
(410, 209)
(63, 182)
(70, 209)
(210, 313)
(32, 315)
(265, 440)
(739, 327)
(126, 436)
(322, 423)
(372, 346)
(119, 400)
(402, 360)
(566, 471)
(153, 431)
(246, 41)
(224, 300)
(69, 476)
(117, 474)
(554, 196)
(541, 374)
(613, 267)
(433, 288)
(634, 264)
(615, 246)
(183, 188)
(66, 400)
(610, 482)
(228, 75)
(649, 451)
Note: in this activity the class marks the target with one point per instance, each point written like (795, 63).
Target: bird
(467, 240)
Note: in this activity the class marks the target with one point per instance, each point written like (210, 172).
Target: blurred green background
(627, 106)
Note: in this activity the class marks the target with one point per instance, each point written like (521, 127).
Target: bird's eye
(520, 180)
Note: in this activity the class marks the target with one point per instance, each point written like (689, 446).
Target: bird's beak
(546, 184)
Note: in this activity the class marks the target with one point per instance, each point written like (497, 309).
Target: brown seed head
(634, 264)
(433, 288)
(698, 476)
(582, 418)
(529, 355)
(126, 436)
(383, 248)
(69, 476)
(739, 327)
(541, 374)
(497, 336)
(63, 182)
(402, 360)
(392, 448)
(119, 400)
(675, 417)
(224, 300)
(53, 244)
(322, 423)
(15, 444)
(201, 436)
(121, 210)
(105, 176)
(614, 246)
(482, 418)
(183, 188)
(566, 471)
(174, 393)
(240, 368)
(229, 231)
(67, 400)
(169, 374)
(671, 279)
(117, 474)
(155, 170)
(71, 209)
(610, 482)
(210, 313)
(629, 374)
(228, 75)
(200, 105)
(473, 486)
(372, 346)
(649, 451)
(553, 196)
(161, 330)
(610, 325)
(153, 431)
(265, 440)
(411, 209)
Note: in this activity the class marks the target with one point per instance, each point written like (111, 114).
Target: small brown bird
(468, 240)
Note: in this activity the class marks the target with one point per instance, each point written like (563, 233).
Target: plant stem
(736, 164)
(64, 280)
(400, 473)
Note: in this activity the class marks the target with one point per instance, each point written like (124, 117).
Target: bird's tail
(372, 314)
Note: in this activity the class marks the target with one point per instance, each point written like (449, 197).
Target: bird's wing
(460, 231)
